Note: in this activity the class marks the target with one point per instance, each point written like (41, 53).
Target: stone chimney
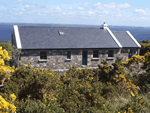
(104, 26)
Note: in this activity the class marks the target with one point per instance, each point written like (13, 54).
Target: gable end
(133, 39)
(17, 37)
(113, 36)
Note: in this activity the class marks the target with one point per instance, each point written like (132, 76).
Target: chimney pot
(104, 25)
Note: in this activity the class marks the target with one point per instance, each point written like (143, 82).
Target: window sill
(95, 58)
(43, 60)
(110, 58)
(68, 59)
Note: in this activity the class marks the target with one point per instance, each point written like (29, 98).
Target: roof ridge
(61, 27)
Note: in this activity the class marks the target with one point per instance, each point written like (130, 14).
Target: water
(140, 33)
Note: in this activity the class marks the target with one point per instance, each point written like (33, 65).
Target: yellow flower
(64, 75)
(132, 93)
(104, 105)
(12, 97)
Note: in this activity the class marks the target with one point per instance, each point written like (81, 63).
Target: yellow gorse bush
(4, 73)
(147, 57)
(6, 106)
(138, 59)
(3, 68)
(134, 59)
(130, 86)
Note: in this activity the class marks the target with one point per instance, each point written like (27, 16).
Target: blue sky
(89, 12)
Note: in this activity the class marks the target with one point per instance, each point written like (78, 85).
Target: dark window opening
(43, 55)
(130, 53)
(95, 54)
(68, 54)
(110, 53)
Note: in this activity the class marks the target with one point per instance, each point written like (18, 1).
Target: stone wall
(57, 58)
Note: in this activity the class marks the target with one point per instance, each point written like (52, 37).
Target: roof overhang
(69, 48)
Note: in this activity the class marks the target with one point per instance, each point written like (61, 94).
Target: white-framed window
(43, 55)
(110, 53)
(95, 54)
(68, 54)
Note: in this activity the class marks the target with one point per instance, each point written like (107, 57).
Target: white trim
(113, 36)
(68, 59)
(133, 39)
(17, 36)
(110, 58)
(95, 58)
(43, 60)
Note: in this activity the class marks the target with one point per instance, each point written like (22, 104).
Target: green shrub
(144, 48)
(28, 81)
(47, 105)
(135, 105)
(81, 91)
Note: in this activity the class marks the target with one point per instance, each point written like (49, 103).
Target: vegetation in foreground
(103, 90)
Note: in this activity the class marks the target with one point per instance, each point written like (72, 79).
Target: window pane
(43, 55)
(110, 53)
(95, 54)
(68, 54)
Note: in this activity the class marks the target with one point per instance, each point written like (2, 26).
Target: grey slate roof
(39, 37)
(47, 37)
(124, 39)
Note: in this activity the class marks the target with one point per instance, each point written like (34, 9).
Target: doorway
(84, 57)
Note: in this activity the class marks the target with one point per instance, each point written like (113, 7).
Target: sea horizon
(140, 33)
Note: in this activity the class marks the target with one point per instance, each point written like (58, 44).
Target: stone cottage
(63, 47)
